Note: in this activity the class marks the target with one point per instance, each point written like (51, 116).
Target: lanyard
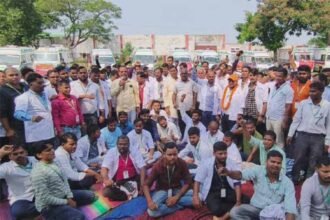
(125, 161)
(58, 173)
(13, 88)
(222, 181)
(85, 88)
(198, 157)
(170, 175)
(72, 104)
(27, 168)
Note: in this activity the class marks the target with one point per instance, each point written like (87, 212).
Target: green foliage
(126, 53)
(80, 19)
(276, 18)
(20, 22)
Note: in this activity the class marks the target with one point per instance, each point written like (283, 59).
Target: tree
(20, 22)
(274, 19)
(80, 19)
(126, 53)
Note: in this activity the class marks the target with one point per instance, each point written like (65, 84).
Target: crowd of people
(180, 137)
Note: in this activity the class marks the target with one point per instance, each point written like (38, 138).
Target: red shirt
(125, 164)
(66, 111)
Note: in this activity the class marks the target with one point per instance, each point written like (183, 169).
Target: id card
(77, 119)
(223, 193)
(169, 193)
(125, 173)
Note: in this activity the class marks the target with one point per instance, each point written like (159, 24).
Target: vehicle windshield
(106, 59)
(183, 59)
(144, 59)
(9, 59)
(263, 60)
(211, 59)
(299, 57)
(41, 57)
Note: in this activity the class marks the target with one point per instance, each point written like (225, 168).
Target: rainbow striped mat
(100, 206)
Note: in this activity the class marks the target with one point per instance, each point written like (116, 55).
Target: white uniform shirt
(236, 105)
(234, 154)
(83, 147)
(50, 91)
(142, 142)
(149, 94)
(209, 139)
(204, 175)
(106, 96)
(187, 89)
(18, 180)
(30, 103)
(209, 97)
(200, 152)
(111, 161)
(168, 132)
(70, 165)
(88, 106)
(189, 123)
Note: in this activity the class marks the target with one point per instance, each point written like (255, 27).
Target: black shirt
(7, 104)
(219, 182)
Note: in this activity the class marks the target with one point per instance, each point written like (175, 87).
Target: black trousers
(220, 206)
(226, 124)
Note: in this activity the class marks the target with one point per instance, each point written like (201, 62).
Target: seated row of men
(60, 182)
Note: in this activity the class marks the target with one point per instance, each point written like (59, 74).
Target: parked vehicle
(17, 57)
(105, 57)
(46, 58)
(182, 56)
(258, 59)
(211, 57)
(146, 56)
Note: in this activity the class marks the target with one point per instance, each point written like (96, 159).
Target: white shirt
(113, 98)
(30, 103)
(106, 96)
(168, 132)
(209, 139)
(161, 113)
(88, 106)
(261, 96)
(111, 161)
(185, 88)
(204, 175)
(234, 154)
(200, 152)
(244, 87)
(209, 97)
(83, 147)
(142, 142)
(70, 166)
(18, 180)
(189, 123)
(50, 91)
(149, 94)
(222, 82)
(236, 105)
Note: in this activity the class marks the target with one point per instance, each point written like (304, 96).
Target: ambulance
(46, 58)
(106, 57)
(17, 57)
(145, 56)
(211, 57)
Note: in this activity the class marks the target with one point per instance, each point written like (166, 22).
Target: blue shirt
(109, 137)
(277, 100)
(125, 128)
(267, 193)
(326, 93)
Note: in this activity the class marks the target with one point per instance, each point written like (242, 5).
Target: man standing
(311, 124)
(158, 72)
(279, 105)
(66, 112)
(300, 87)
(146, 91)
(14, 128)
(185, 95)
(127, 93)
(232, 103)
(219, 192)
(172, 184)
(209, 98)
(271, 187)
(50, 89)
(168, 90)
(16, 173)
(34, 108)
(89, 95)
(314, 200)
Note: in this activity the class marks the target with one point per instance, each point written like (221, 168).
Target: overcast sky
(186, 17)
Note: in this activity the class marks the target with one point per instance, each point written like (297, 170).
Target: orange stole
(300, 93)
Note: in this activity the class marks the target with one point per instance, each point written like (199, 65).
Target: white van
(261, 60)
(146, 57)
(106, 57)
(211, 57)
(46, 58)
(17, 57)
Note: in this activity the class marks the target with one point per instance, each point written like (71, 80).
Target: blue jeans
(207, 117)
(23, 209)
(160, 197)
(59, 212)
(74, 130)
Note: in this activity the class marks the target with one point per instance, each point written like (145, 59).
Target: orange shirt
(300, 92)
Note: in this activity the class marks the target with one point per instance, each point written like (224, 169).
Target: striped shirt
(50, 186)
